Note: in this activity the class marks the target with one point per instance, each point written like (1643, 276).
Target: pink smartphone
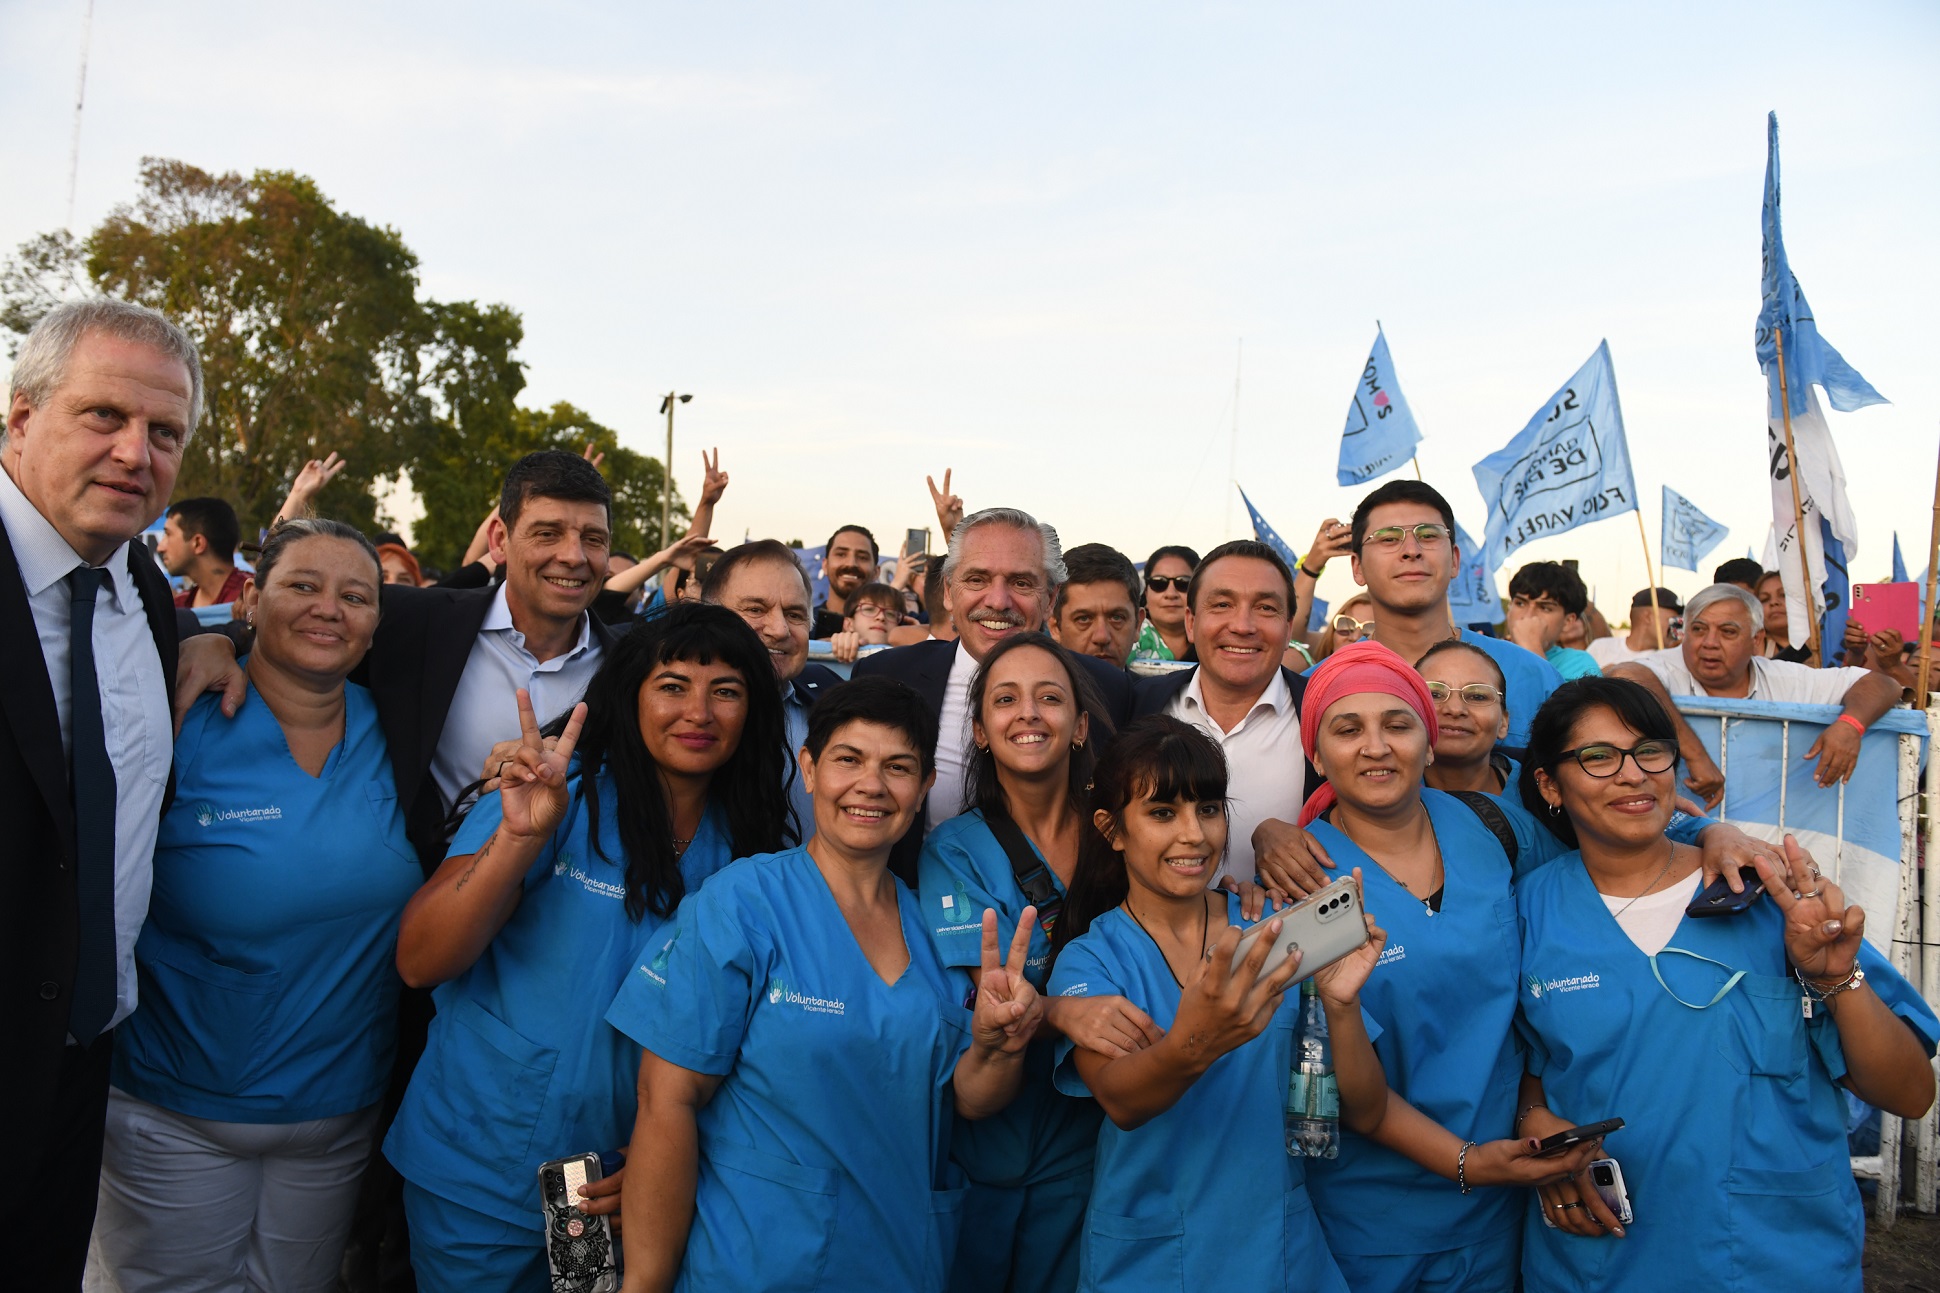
(1888, 606)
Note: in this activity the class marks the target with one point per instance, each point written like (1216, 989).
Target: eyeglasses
(1161, 583)
(1390, 537)
(1474, 693)
(870, 610)
(1348, 624)
(1607, 760)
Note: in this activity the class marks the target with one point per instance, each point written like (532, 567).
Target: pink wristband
(1853, 723)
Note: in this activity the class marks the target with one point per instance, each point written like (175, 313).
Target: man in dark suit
(102, 401)
(1238, 615)
(999, 576)
(763, 582)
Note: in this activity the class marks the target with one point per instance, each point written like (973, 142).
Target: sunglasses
(1163, 583)
(1474, 693)
(1607, 760)
(1348, 624)
(1390, 537)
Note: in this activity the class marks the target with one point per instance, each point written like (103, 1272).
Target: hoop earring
(1555, 810)
(1078, 744)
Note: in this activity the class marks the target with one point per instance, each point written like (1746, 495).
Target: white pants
(189, 1204)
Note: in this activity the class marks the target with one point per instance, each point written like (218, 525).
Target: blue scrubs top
(1734, 1137)
(268, 976)
(1444, 993)
(1205, 1195)
(1530, 677)
(1043, 1135)
(823, 1153)
(520, 1067)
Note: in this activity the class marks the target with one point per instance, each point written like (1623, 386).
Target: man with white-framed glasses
(1404, 554)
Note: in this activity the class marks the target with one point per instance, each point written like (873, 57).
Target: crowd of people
(331, 923)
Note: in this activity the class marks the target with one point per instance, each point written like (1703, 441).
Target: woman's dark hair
(1159, 758)
(1179, 550)
(298, 528)
(751, 788)
(981, 788)
(1549, 734)
(1457, 644)
(882, 701)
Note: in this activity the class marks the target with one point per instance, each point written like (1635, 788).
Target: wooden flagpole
(1798, 500)
(1926, 621)
(1656, 620)
(1417, 463)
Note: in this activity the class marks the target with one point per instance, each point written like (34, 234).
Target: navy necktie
(92, 778)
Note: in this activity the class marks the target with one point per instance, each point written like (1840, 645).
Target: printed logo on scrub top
(207, 814)
(1541, 987)
(780, 993)
(656, 969)
(956, 907)
(591, 884)
(1394, 952)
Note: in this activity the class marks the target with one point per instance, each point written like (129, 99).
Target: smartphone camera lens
(1603, 1177)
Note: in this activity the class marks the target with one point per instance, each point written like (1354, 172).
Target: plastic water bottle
(1313, 1094)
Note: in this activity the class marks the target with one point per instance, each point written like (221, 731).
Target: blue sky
(1025, 241)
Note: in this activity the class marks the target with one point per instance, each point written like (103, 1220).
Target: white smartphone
(1323, 927)
(579, 1249)
(1607, 1179)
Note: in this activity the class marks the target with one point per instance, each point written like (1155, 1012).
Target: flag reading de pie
(1568, 467)
(1688, 533)
(1381, 433)
(1820, 476)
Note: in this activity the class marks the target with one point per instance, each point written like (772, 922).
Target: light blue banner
(1472, 598)
(1809, 357)
(1317, 618)
(1568, 467)
(1899, 562)
(1381, 433)
(1688, 533)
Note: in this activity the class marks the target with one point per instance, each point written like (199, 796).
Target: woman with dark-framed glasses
(1722, 1043)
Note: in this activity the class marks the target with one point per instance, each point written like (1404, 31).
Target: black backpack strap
(1033, 875)
(1492, 817)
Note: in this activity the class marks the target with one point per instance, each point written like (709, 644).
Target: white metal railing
(1903, 904)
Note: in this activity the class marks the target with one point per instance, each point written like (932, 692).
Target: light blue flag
(1317, 618)
(1568, 467)
(1688, 533)
(1267, 534)
(1472, 598)
(1381, 433)
(1809, 357)
(1899, 562)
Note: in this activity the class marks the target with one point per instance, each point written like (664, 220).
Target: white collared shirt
(135, 719)
(485, 710)
(1266, 772)
(1784, 680)
(953, 740)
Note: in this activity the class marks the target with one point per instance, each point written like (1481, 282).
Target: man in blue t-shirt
(1404, 554)
(1546, 598)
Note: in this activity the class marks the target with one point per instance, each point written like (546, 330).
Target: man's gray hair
(41, 366)
(1054, 572)
(1716, 593)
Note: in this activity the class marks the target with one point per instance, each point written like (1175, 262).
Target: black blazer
(39, 910)
(423, 640)
(1152, 695)
(925, 667)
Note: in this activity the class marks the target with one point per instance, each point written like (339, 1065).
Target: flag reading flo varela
(1568, 467)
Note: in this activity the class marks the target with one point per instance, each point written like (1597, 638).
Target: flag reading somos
(1570, 465)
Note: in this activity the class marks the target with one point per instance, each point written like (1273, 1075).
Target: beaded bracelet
(1847, 984)
(1461, 1167)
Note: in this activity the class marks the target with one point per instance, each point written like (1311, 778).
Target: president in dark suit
(999, 576)
(101, 404)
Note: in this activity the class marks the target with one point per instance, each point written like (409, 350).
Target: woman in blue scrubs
(1722, 1043)
(246, 1086)
(806, 1049)
(1032, 719)
(1193, 1186)
(1414, 1202)
(673, 765)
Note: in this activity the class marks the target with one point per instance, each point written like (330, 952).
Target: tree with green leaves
(314, 339)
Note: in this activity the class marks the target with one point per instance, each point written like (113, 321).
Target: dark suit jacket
(39, 910)
(1152, 695)
(423, 641)
(925, 667)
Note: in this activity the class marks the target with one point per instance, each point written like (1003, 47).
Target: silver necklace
(1618, 914)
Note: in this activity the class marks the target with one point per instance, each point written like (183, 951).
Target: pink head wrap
(1361, 667)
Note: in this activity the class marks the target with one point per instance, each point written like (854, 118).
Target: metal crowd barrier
(1914, 920)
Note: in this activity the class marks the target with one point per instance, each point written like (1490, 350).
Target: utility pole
(667, 474)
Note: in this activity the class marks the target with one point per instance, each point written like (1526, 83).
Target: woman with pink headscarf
(1419, 1202)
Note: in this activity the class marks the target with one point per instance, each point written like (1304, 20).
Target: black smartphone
(1718, 900)
(1570, 1139)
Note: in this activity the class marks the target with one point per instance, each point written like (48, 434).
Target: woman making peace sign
(672, 766)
